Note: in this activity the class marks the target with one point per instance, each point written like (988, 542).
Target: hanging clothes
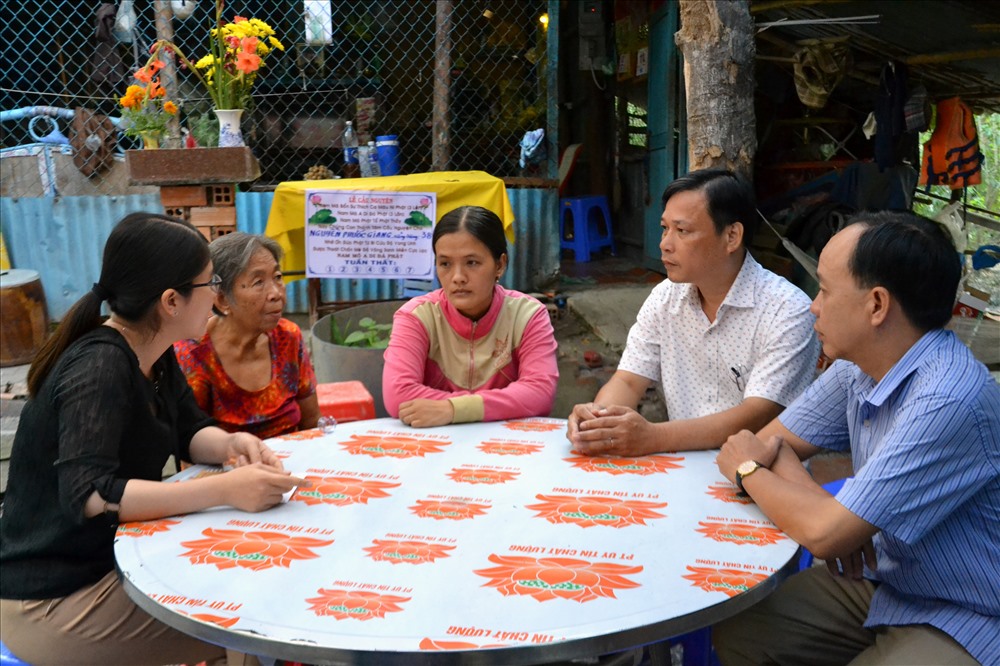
(952, 156)
(889, 117)
(107, 70)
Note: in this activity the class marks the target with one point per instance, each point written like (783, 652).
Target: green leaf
(322, 217)
(418, 219)
(354, 338)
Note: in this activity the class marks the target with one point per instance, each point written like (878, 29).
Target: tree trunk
(717, 41)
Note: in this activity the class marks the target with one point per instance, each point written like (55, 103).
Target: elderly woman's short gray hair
(231, 255)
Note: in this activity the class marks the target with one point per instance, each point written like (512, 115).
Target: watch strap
(740, 475)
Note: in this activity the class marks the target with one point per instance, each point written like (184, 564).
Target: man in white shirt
(730, 342)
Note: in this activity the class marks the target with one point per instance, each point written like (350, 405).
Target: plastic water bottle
(350, 142)
(368, 159)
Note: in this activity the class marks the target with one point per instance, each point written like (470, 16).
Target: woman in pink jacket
(471, 350)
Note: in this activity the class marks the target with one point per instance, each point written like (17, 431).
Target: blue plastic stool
(806, 558)
(589, 226)
(696, 649)
(7, 657)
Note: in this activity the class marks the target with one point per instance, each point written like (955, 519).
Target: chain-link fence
(470, 72)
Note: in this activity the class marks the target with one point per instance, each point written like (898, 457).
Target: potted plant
(349, 344)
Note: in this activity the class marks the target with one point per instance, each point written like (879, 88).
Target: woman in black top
(108, 406)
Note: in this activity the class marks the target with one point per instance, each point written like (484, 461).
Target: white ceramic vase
(230, 135)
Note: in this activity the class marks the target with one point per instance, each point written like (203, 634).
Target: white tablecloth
(463, 537)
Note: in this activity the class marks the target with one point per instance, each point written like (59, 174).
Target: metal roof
(951, 46)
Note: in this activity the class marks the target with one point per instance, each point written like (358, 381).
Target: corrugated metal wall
(63, 237)
(534, 255)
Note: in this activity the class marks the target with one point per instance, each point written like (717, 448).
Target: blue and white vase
(230, 135)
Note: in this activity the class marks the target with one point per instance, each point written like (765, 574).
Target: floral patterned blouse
(268, 412)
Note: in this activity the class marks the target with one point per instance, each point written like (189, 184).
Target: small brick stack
(197, 185)
(210, 208)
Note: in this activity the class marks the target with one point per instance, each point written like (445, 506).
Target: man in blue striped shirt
(913, 539)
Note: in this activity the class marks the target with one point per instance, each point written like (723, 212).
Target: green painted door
(667, 126)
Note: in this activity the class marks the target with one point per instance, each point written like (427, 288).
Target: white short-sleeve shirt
(761, 344)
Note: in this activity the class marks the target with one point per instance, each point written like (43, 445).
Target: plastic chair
(567, 162)
(585, 226)
(696, 649)
(7, 657)
(806, 558)
(345, 401)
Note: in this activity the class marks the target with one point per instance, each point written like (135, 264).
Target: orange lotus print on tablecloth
(392, 446)
(433, 644)
(727, 492)
(448, 509)
(354, 604)
(728, 581)
(587, 511)
(639, 466)
(225, 622)
(477, 476)
(741, 533)
(411, 552)
(251, 550)
(146, 528)
(300, 435)
(557, 577)
(533, 426)
(341, 490)
(509, 448)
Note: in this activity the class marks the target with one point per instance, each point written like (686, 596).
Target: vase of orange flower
(145, 107)
(230, 134)
(239, 49)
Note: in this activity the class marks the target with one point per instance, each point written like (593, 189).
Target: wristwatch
(746, 468)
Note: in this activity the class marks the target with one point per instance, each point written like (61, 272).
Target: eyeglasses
(739, 376)
(212, 284)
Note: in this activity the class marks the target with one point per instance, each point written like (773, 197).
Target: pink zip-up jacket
(500, 367)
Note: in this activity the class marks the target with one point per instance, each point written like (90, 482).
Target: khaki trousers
(99, 624)
(817, 619)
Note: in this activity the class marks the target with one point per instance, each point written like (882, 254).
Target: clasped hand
(744, 446)
(595, 430)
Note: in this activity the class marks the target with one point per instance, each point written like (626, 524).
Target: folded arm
(789, 496)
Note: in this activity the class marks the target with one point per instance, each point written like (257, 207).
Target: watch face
(747, 466)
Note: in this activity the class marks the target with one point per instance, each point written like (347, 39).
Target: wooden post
(717, 41)
(440, 150)
(168, 75)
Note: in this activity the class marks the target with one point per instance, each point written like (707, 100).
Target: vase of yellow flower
(238, 51)
(230, 135)
(145, 108)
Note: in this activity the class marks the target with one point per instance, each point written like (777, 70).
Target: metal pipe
(51, 111)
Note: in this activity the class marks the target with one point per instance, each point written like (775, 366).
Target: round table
(488, 542)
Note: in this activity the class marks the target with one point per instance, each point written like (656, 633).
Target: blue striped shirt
(925, 443)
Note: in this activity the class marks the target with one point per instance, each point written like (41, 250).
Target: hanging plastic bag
(125, 21)
(533, 148)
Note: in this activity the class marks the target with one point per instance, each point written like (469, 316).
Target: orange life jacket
(952, 156)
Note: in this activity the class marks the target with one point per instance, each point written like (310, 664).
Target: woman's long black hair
(145, 255)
